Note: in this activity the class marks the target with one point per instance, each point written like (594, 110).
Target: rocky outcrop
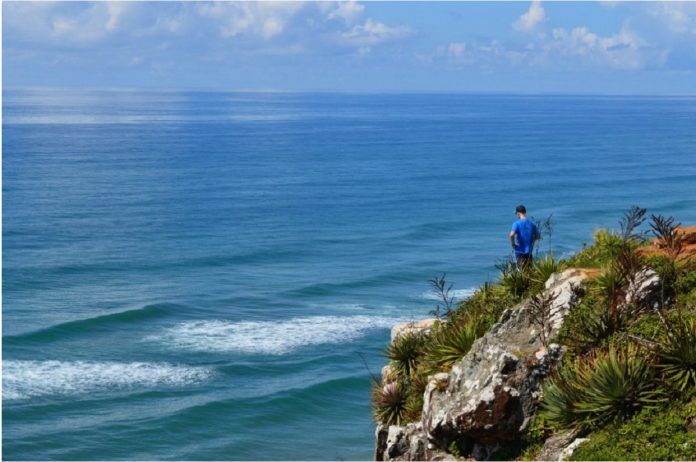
(489, 397)
(493, 392)
(644, 291)
(400, 442)
(413, 327)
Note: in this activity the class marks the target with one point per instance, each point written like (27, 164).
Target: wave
(269, 337)
(459, 294)
(90, 325)
(329, 288)
(26, 379)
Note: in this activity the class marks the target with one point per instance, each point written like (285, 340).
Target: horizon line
(342, 91)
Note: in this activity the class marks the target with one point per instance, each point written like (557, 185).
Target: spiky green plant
(595, 390)
(389, 403)
(677, 356)
(452, 342)
(405, 351)
(515, 280)
(541, 271)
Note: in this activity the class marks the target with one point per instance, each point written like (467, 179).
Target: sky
(511, 47)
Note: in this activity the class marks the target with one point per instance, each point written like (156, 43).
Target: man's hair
(521, 209)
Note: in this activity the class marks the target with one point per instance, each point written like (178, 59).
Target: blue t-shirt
(525, 232)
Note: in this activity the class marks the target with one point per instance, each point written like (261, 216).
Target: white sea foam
(458, 294)
(270, 337)
(26, 379)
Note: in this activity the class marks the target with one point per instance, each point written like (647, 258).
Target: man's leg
(524, 260)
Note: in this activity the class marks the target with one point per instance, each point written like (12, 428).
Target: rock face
(493, 392)
(405, 443)
(489, 397)
(423, 325)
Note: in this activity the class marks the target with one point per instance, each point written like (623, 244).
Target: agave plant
(389, 403)
(541, 271)
(452, 342)
(677, 356)
(596, 390)
(515, 280)
(405, 351)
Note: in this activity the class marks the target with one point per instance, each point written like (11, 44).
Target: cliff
(486, 405)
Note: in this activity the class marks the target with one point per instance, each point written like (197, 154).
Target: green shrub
(685, 288)
(602, 250)
(389, 403)
(653, 434)
(595, 390)
(405, 352)
(452, 341)
(537, 433)
(414, 395)
(541, 271)
(677, 356)
(517, 281)
(487, 303)
(588, 325)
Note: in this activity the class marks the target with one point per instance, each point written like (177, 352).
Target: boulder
(381, 433)
(570, 449)
(423, 325)
(490, 396)
(401, 443)
(555, 445)
(645, 291)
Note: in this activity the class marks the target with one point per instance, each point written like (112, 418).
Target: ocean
(202, 275)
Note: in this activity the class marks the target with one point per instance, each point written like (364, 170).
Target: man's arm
(512, 239)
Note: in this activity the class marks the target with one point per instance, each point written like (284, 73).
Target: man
(522, 237)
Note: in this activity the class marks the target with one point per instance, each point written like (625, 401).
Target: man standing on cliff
(522, 237)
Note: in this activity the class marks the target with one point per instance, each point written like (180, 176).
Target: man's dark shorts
(524, 260)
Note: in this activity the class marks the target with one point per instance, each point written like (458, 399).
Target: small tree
(542, 310)
(442, 289)
(545, 226)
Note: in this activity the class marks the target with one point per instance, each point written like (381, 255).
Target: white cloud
(562, 49)
(623, 50)
(679, 17)
(348, 11)
(372, 33)
(456, 48)
(532, 18)
(261, 27)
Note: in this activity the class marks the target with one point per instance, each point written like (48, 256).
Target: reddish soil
(689, 233)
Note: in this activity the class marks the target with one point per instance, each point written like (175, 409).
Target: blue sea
(210, 275)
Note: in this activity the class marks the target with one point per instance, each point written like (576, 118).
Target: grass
(652, 434)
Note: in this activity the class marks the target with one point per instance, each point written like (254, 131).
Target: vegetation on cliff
(630, 362)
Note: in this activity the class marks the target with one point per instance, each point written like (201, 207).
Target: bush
(588, 325)
(542, 269)
(677, 356)
(451, 341)
(653, 434)
(415, 387)
(685, 288)
(487, 303)
(602, 250)
(517, 281)
(593, 391)
(389, 403)
(405, 352)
